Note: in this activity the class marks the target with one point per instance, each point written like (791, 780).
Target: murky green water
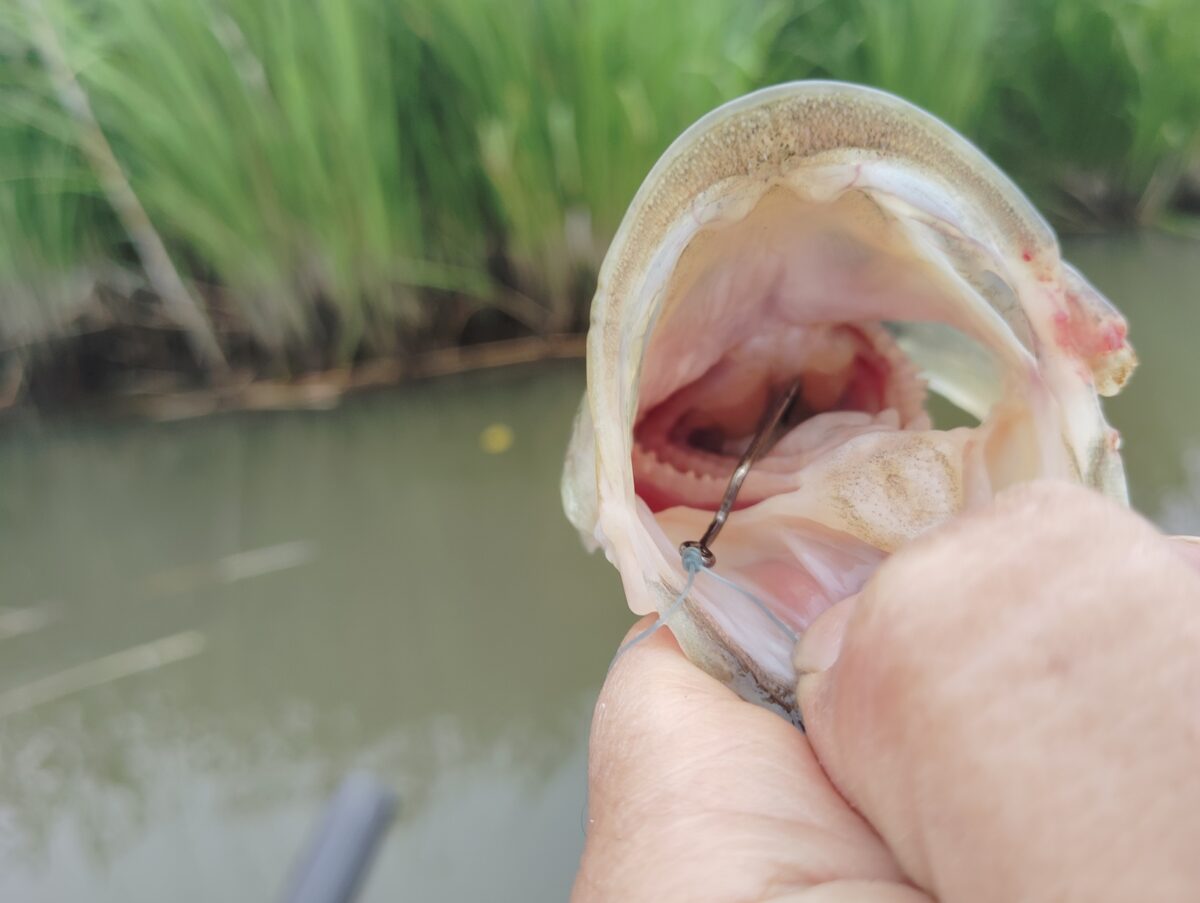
(417, 607)
(207, 624)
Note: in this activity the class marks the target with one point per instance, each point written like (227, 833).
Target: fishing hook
(761, 442)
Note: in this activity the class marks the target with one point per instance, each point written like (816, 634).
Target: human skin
(1009, 710)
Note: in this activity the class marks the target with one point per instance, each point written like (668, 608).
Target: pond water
(206, 624)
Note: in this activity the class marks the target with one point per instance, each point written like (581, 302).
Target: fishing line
(697, 555)
(693, 563)
(759, 603)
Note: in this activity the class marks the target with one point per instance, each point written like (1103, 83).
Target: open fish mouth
(839, 239)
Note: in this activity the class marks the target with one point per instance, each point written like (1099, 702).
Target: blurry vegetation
(342, 180)
(1105, 96)
(936, 53)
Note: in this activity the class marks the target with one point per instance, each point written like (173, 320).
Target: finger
(856, 892)
(1187, 547)
(696, 794)
(1014, 704)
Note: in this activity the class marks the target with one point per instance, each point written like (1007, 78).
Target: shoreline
(319, 390)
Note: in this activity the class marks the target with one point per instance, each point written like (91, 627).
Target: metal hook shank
(761, 443)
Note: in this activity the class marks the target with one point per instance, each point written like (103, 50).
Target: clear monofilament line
(759, 603)
(693, 564)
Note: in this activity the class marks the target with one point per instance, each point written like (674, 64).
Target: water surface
(358, 588)
(206, 624)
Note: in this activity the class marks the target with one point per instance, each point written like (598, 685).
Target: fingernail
(821, 644)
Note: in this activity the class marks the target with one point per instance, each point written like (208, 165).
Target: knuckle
(1037, 556)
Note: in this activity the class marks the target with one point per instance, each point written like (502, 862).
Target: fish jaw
(793, 216)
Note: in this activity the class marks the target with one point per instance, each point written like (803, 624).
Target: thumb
(1012, 702)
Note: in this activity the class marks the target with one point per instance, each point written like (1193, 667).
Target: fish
(839, 236)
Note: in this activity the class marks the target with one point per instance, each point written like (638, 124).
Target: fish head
(839, 236)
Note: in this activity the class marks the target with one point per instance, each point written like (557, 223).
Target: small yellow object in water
(496, 439)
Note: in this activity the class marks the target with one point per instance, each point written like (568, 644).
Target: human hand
(1010, 710)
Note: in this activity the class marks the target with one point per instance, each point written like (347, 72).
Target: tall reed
(1099, 109)
(335, 177)
(55, 236)
(285, 152)
(939, 54)
(569, 103)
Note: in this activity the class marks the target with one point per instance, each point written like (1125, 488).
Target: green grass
(278, 151)
(47, 269)
(54, 230)
(568, 104)
(1100, 103)
(940, 54)
(346, 178)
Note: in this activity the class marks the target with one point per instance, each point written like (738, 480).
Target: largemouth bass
(840, 236)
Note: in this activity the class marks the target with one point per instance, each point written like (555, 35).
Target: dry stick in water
(180, 305)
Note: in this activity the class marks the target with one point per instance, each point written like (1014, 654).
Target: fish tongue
(825, 431)
(882, 488)
(803, 550)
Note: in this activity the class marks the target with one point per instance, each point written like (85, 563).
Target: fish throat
(852, 379)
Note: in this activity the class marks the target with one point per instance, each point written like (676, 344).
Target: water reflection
(372, 589)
